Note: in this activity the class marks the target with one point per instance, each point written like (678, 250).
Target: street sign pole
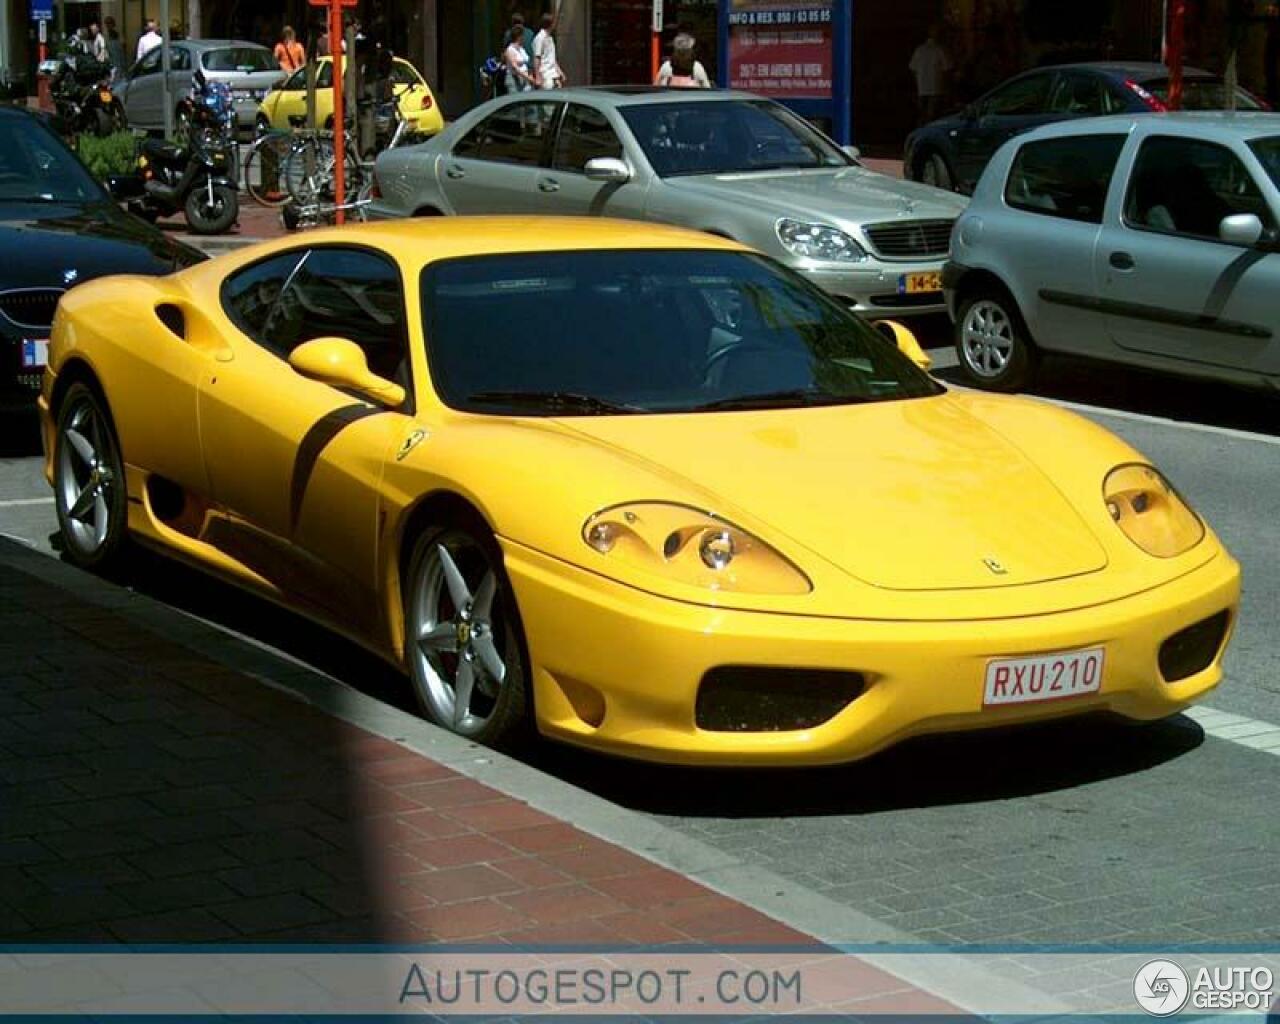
(655, 51)
(339, 99)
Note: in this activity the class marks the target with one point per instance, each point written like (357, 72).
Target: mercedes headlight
(1150, 512)
(691, 547)
(818, 241)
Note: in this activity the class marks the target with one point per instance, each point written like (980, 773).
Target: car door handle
(548, 185)
(1122, 261)
(455, 172)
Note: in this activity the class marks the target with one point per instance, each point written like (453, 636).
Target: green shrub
(114, 154)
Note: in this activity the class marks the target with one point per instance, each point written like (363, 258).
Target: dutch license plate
(1043, 677)
(35, 353)
(917, 284)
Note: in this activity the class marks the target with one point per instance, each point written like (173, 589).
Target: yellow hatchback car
(286, 105)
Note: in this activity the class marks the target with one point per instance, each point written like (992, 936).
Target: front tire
(993, 345)
(88, 482)
(464, 646)
(214, 218)
(935, 171)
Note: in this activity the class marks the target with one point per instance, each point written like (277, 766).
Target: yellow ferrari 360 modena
(637, 488)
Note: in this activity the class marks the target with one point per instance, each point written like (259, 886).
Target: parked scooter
(193, 178)
(82, 97)
(209, 111)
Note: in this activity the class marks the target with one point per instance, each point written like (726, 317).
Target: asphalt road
(1081, 831)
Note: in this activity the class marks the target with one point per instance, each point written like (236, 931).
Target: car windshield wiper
(554, 401)
(796, 397)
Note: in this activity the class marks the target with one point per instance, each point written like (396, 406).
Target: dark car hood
(61, 244)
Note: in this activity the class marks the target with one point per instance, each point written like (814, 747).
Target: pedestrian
(176, 30)
(930, 65)
(115, 46)
(516, 58)
(519, 31)
(97, 43)
(288, 52)
(682, 70)
(149, 39)
(321, 36)
(547, 73)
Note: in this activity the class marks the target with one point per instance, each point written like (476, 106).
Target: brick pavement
(151, 793)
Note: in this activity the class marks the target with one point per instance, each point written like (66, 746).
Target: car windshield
(1203, 94)
(652, 331)
(726, 136)
(36, 167)
(245, 59)
(1268, 153)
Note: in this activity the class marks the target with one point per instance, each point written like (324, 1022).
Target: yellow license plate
(915, 284)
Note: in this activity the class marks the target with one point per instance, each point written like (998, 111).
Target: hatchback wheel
(463, 640)
(992, 343)
(934, 171)
(88, 481)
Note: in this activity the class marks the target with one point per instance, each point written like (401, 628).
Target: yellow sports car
(637, 487)
(286, 105)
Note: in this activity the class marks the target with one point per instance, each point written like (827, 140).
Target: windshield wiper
(792, 397)
(554, 401)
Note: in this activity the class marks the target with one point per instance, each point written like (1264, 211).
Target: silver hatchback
(729, 163)
(1151, 240)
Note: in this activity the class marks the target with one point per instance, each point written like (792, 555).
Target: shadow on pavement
(971, 767)
(1110, 386)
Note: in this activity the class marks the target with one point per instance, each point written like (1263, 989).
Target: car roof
(423, 241)
(645, 95)
(1221, 125)
(1138, 70)
(218, 44)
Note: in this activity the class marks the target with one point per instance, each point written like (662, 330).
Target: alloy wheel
(87, 480)
(987, 339)
(458, 641)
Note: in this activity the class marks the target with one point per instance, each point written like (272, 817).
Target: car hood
(908, 495)
(61, 244)
(852, 194)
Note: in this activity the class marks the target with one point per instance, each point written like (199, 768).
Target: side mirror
(341, 364)
(607, 169)
(1241, 229)
(122, 187)
(852, 151)
(906, 342)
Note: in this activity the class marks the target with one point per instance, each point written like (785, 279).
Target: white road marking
(1247, 732)
(19, 502)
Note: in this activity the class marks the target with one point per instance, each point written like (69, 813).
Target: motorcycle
(82, 96)
(193, 178)
(208, 111)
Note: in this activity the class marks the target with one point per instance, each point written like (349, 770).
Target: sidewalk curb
(952, 978)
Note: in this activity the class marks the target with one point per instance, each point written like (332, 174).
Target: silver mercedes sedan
(729, 163)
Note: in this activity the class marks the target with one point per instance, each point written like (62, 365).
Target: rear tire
(88, 480)
(993, 345)
(935, 171)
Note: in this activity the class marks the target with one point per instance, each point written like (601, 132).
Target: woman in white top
(516, 58)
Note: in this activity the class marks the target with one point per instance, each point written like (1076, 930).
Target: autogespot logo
(1161, 988)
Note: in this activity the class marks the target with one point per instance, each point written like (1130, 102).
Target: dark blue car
(952, 152)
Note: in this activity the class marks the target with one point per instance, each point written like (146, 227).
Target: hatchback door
(1171, 285)
(495, 166)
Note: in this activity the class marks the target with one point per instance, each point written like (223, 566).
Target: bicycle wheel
(309, 173)
(263, 166)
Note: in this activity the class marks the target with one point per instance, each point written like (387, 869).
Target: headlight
(1150, 512)
(691, 547)
(818, 241)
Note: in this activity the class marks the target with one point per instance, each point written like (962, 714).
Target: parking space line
(1245, 732)
(20, 502)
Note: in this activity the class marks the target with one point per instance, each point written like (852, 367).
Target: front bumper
(618, 670)
(875, 289)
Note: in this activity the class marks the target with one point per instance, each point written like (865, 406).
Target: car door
(494, 167)
(586, 133)
(1170, 284)
(141, 96)
(1057, 191)
(295, 464)
(290, 98)
(1014, 107)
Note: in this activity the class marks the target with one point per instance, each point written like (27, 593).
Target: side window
(1029, 95)
(1080, 95)
(345, 293)
(149, 64)
(585, 134)
(402, 73)
(324, 77)
(1067, 177)
(250, 295)
(179, 59)
(516, 134)
(1187, 187)
(296, 82)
